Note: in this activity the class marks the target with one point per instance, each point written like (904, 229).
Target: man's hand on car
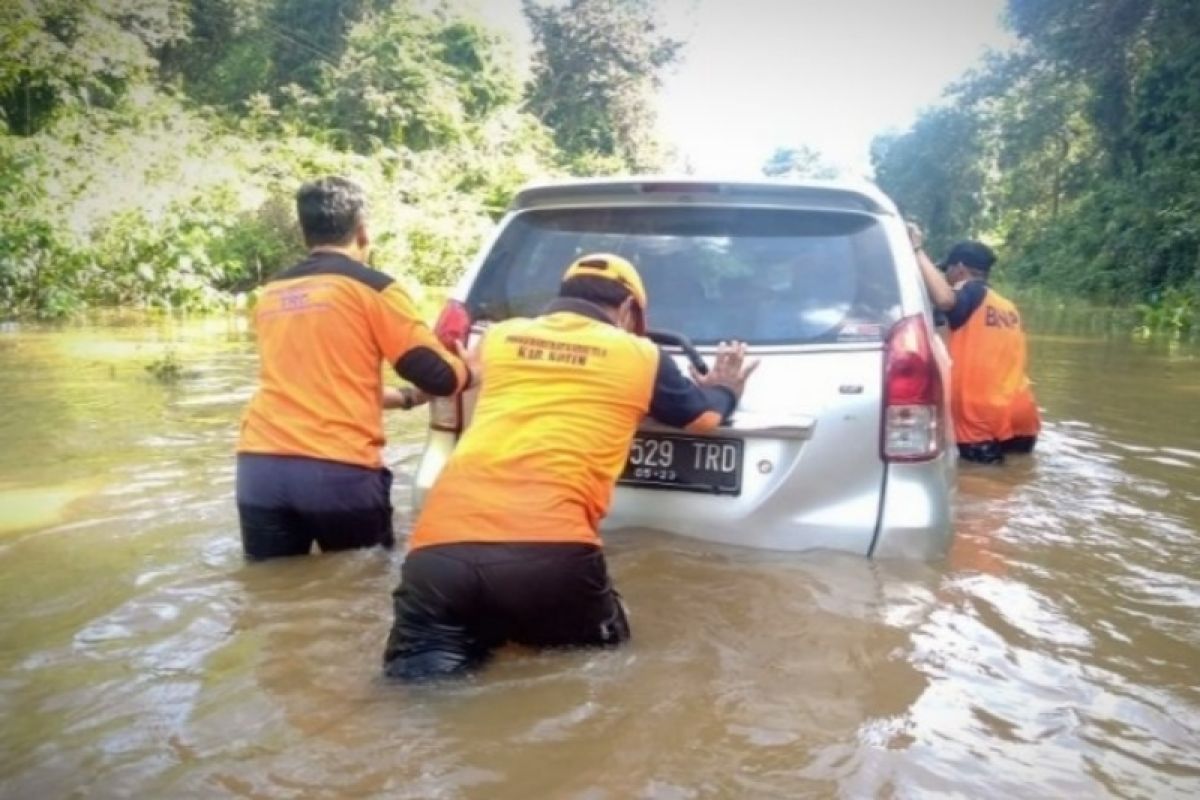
(473, 359)
(939, 288)
(729, 369)
(916, 235)
(404, 397)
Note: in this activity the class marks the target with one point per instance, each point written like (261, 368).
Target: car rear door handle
(773, 426)
(754, 425)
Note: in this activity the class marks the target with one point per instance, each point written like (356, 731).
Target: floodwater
(1055, 652)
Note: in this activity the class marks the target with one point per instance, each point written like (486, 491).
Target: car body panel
(810, 419)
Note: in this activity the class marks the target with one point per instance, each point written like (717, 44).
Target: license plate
(684, 463)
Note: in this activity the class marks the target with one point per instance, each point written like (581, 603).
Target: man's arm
(406, 398)
(403, 397)
(967, 297)
(411, 348)
(940, 290)
(705, 404)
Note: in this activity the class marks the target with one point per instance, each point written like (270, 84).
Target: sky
(829, 74)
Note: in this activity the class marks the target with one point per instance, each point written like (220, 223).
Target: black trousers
(285, 503)
(993, 452)
(457, 603)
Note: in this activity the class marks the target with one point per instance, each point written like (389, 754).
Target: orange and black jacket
(990, 395)
(325, 326)
(561, 398)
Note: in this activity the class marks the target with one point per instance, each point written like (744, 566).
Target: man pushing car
(506, 548)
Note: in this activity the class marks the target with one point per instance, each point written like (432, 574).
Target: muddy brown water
(1055, 652)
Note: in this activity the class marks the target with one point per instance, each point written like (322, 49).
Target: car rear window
(764, 276)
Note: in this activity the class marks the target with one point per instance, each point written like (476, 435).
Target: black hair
(594, 289)
(976, 256)
(330, 209)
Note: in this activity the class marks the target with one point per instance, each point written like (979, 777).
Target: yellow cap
(614, 268)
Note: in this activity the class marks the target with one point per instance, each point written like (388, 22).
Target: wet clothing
(1024, 416)
(967, 298)
(551, 431)
(991, 399)
(324, 327)
(310, 466)
(1019, 444)
(458, 602)
(993, 452)
(530, 480)
(285, 503)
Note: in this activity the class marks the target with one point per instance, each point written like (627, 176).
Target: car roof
(844, 195)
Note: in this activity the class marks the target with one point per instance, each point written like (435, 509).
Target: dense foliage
(150, 149)
(597, 65)
(1079, 154)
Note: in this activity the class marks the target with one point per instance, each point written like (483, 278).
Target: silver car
(842, 440)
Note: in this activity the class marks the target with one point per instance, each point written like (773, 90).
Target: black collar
(328, 263)
(583, 308)
(330, 255)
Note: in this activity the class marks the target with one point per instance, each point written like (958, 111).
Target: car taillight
(453, 325)
(913, 403)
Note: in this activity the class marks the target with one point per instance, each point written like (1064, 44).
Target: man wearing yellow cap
(506, 548)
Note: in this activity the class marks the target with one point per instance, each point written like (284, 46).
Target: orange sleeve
(709, 420)
(408, 344)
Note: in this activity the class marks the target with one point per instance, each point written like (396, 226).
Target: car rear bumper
(914, 520)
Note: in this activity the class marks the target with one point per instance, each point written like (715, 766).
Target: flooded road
(1055, 652)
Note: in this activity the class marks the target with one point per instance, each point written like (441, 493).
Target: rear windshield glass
(764, 276)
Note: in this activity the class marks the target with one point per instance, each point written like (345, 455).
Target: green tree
(56, 53)
(414, 80)
(225, 57)
(1134, 232)
(597, 64)
(1039, 146)
(1086, 165)
(1104, 42)
(37, 268)
(798, 162)
(240, 48)
(936, 173)
(179, 194)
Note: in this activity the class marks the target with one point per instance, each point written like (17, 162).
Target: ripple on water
(1052, 653)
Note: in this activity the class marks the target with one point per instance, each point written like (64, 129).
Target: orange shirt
(324, 328)
(560, 401)
(989, 390)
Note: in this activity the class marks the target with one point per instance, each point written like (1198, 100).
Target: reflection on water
(1053, 653)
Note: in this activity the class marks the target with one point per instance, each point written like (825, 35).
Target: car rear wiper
(671, 339)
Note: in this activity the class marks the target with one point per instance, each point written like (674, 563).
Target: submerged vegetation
(150, 149)
(167, 369)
